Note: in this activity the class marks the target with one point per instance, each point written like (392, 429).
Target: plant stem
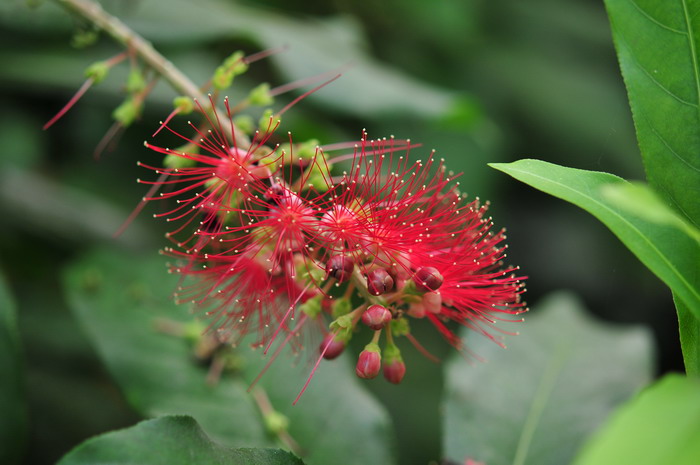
(123, 34)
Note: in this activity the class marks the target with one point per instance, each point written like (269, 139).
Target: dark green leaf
(173, 440)
(537, 401)
(657, 45)
(689, 332)
(660, 426)
(121, 299)
(13, 420)
(665, 249)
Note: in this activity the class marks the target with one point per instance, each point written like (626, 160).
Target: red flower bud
(368, 364)
(376, 317)
(432, 302)
(379, 282)
(340, 267)
(334, 345)
(428, 278)
(394, 371)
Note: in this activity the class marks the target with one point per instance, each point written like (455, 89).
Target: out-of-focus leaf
(536, 402)
(368, 88)
(13, 420)
(171, 440)
(20, 136)
(659, 426)
(657, 45)
(639, 200)
(570, 102)
(667, 251)
(120, 299)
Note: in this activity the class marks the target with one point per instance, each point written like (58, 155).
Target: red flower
(276, 233)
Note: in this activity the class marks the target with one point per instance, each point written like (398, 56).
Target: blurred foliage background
(478, 81)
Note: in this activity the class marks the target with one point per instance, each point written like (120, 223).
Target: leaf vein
(654, 20)
(633, 59)
(691, 43)
(632, 228)
(668, 146)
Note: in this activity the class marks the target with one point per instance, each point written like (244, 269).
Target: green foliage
(640, 200)
(657, 45)
(13, 421)
(659, 426)
(668, 251)
(170, 440)
(537, 401)
(122, 301)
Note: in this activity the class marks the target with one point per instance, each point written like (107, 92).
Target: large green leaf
(657, 45)
(660, 426)
(536, 402)
(119, 299)
(665, 249)
(13, 420)
(172, 440)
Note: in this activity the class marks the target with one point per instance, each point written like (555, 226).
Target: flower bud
(416, 310)
(428, 278)
(379, 282)
(432, 302)
(340, 267)
(376, 317)
(261, 95)
(394, 371)
(394, 368)
(332, 345)
(369, 362)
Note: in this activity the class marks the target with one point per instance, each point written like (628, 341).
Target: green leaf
(657, 45)
(13, 420)
(689, 332)
(121, 300)
(666, 250)
(660, 426)
(118, 301)
(536, 402)
(639, 199)
(172, 440)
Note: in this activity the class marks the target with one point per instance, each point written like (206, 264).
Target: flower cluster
(286, 241)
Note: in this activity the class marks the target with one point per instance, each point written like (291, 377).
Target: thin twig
(120, 32)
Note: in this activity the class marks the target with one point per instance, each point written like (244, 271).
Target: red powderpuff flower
(213, 174)
(476, 289)
(239, 295)
(421, 250)
(270, 245)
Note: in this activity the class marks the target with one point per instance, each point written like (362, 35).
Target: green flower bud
(184, 104)
(312, 307)
(275, 422)
(341, 306)
(343, 322)
(261, 95)
(267, 123)
(400, 327)
(244, 123)
(83, 38)
(231, 67)
(307, 150)
(135, 82)
(97, 71)
(128, 111)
